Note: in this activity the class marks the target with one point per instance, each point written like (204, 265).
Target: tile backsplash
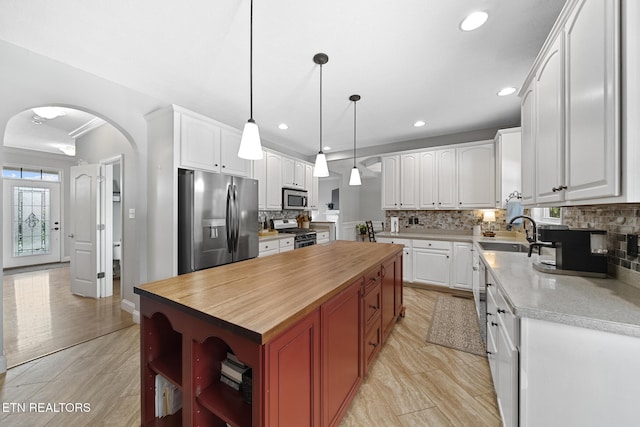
(618, 220)
(442, 220)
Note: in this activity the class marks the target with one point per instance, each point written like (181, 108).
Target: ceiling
(408, 60)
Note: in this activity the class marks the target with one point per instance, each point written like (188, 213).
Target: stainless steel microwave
(293, 199)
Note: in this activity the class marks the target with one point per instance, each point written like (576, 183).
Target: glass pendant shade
(355, 177)
(250, 147)
(320, 169)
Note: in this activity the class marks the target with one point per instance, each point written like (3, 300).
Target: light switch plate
(132, 213)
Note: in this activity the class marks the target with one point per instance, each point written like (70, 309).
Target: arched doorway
(57, 144)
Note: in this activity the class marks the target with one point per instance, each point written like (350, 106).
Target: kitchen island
(307, 322)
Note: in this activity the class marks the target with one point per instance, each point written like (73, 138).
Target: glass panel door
(32, 219)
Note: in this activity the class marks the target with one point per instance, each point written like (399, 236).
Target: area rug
(455, 324)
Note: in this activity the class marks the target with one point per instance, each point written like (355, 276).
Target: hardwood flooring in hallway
(42, 316)
(412, 383)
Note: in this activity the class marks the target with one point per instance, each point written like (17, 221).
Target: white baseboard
(130, 307)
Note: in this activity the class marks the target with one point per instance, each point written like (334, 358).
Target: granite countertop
(609, 305)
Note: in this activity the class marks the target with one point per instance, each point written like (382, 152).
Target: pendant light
(250, 147)
(321, 169)
(355, 173)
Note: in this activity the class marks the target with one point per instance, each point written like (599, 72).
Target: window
(31, 174)
(551, 215)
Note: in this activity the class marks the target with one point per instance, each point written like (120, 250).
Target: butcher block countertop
(261, 297)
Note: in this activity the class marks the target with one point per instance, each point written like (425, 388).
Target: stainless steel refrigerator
(217, 219)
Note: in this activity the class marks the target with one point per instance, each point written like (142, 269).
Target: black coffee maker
(578, 250)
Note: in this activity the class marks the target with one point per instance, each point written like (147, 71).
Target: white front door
(32, 219)
(91, 260)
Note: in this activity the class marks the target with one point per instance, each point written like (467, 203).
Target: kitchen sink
(504, 246)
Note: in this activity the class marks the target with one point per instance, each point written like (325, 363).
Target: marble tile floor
(412, 382)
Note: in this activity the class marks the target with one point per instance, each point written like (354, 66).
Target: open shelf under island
(308, 323)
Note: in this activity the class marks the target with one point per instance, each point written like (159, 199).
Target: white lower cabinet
(275, 246)
(322, 237)
(270, 247)
(462, 266)
(432, 262)
(573, 376)
(502, 352)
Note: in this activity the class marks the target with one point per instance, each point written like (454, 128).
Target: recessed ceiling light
(419, 123)
(473, 21)
(506, 91)
(326, 148)
(283, 126)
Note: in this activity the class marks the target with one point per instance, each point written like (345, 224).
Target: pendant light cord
(354, 134)
(320, 108)
(251, 64)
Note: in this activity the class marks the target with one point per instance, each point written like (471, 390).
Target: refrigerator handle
(229, 221)
(236, 219)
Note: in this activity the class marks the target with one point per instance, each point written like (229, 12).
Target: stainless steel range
(303, 236)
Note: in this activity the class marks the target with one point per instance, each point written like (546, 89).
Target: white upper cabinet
(571, 110)
(293, 173)
(391, 182)
(209, 146)
(438, 179)
(260, 174)
(528, 151)
(549, 130)
(409, 181)
(447, 179)
(199, 144)
(229, 161)
(592, 108)
(476, 176)
(311, 183)
(274, 182)
(428, 180)
(508, 157)
(435, 179)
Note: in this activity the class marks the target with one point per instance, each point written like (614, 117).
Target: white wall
(29, 80)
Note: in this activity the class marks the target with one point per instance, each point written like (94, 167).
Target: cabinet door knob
(374, 307)
(374, 344)
(489, 285)
(489, 353)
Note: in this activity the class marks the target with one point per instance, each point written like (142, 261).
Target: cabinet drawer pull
(375, 307)
(494, 324)
(501, 310)
(489, 314)
(374, 344)
(489, 285)
(489, 353)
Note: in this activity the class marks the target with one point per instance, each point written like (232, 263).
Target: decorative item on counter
(303, 221)
(489, 217)
(477, 226)
(362, 230)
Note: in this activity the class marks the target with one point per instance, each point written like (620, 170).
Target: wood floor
(42, 316)
(412, 383)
